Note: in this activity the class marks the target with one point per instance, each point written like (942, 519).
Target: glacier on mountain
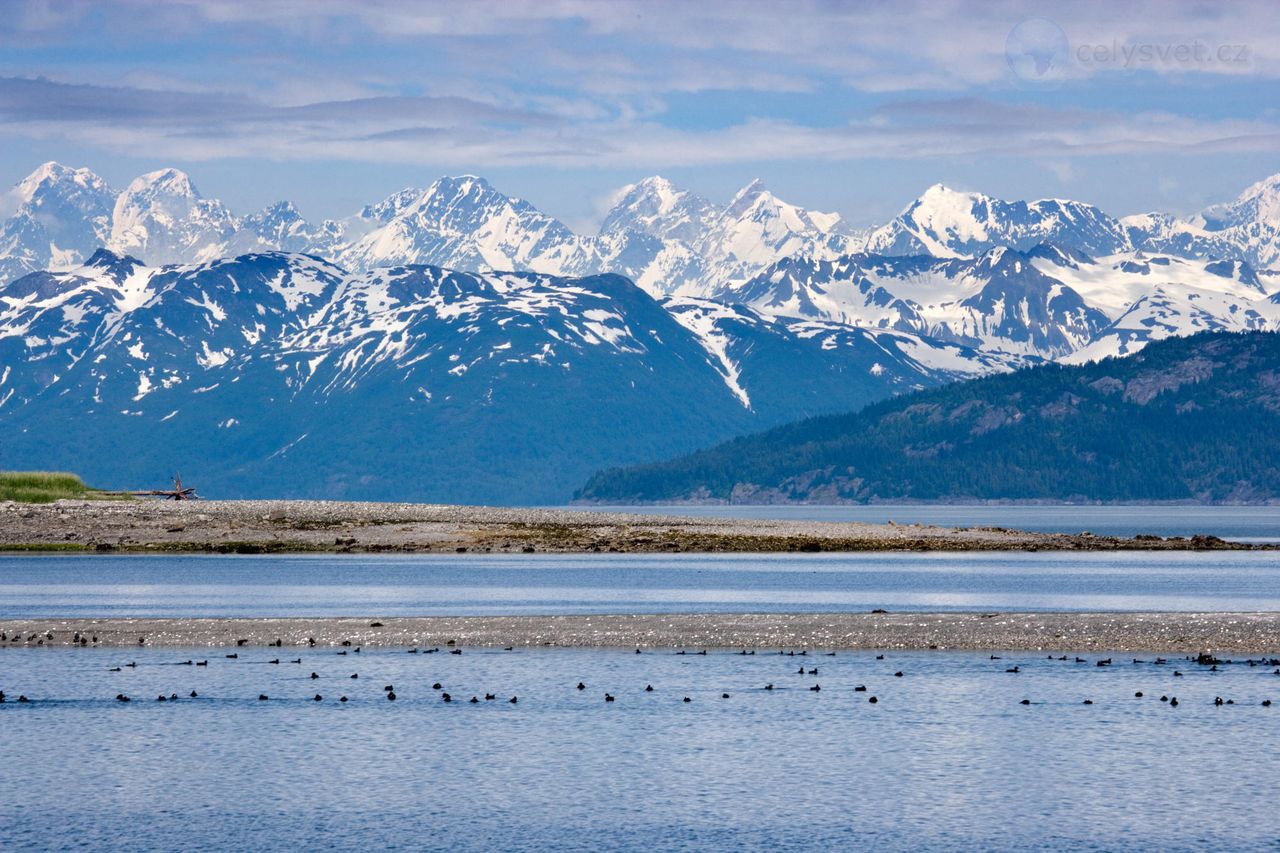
(1045, 279)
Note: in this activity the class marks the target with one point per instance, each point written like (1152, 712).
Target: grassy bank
(42, 487)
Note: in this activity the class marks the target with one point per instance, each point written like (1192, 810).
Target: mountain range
(509, 357)
(1047, 279)
(1187, 419)
(284, 374)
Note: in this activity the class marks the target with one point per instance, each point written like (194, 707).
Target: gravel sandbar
(328, 526)
(1255, 633)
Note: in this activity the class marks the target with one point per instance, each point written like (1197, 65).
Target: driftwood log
(177, 493)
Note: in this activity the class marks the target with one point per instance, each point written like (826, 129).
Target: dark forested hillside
(1193, 418)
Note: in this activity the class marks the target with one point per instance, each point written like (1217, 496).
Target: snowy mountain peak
(167, 182)
(117, 266)
(755, 201)
(657, 207)
(278, 226)
(1259, 203)
(163, 218)
(282, 214)
(752, 195)
(61, 215)
(459, 193)
(54, 177)
(282, 210)
(391, 205)
(462, 222)
(940, 195)
(966, 215)
(456, 188)
(944, 222)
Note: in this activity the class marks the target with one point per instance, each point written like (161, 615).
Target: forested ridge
(1194, 418)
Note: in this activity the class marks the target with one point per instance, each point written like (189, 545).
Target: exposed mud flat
(1171, 633)
(324, 526)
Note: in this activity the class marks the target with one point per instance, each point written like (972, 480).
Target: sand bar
(325, 526)
(1172, 633)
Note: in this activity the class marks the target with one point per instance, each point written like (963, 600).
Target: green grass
(42, 487)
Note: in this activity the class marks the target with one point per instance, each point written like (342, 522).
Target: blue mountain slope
(276, 374)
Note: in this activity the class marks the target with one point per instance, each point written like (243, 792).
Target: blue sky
(852, 107)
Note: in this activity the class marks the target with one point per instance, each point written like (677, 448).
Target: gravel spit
(1171, 633)
(327, 526)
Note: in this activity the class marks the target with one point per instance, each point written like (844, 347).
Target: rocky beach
(257, 527)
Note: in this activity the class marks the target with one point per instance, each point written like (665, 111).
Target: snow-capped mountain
(947, 223)
(664, 238)
(1008, 279)
(60, 217)
(281, 227)
(998, 302)
(1247, 229)
(659, 208)
(161, 216)
(1045, 302)
(1259, 203)
(284, 373)
(758, 229)
(464, 223)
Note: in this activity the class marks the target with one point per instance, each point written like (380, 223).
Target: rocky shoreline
(1167, 633)
(256, 527)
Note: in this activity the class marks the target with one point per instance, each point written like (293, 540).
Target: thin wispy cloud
(459, 131)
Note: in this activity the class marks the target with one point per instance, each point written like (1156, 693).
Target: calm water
(56, 586)
(1237, 523)
(948, 759)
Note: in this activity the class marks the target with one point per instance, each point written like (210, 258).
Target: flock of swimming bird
(388, 693)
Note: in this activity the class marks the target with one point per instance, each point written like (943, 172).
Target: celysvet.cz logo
(1037, 50)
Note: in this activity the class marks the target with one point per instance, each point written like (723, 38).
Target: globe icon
(1037, 50)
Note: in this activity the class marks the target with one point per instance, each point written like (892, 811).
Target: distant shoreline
(1168, 633)
(285, 527)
